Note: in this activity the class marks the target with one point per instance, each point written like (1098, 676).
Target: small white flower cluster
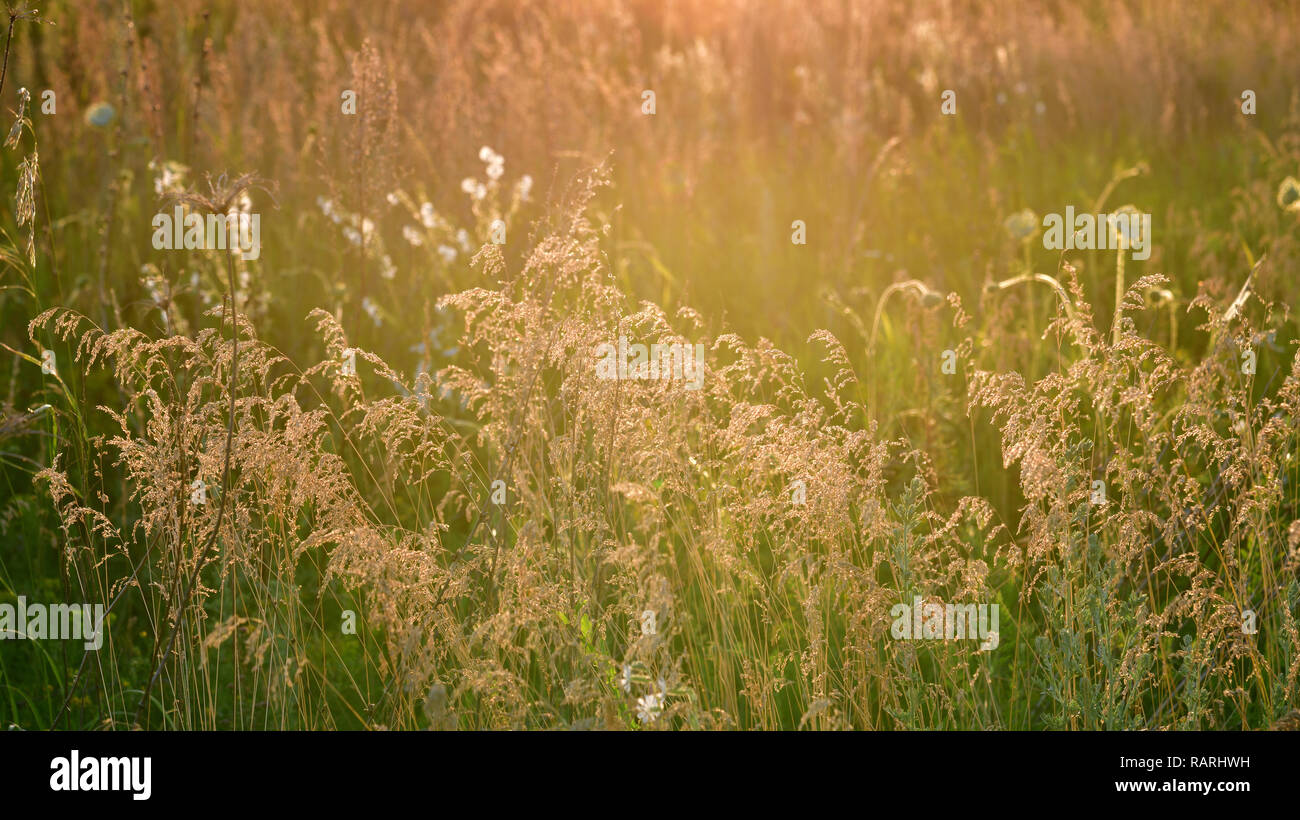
(429, 221)
(496, 164)
(649, 707)
(496, 168)
(169, 177)
(357, 237)
(350, 222)
(474, 188)
(358, 231)
(327, 207)
(428, 228)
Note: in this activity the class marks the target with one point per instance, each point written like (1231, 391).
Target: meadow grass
(399, 424)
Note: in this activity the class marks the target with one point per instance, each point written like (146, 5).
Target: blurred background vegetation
(825, 111)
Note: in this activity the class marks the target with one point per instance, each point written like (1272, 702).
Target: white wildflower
(649, 707)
